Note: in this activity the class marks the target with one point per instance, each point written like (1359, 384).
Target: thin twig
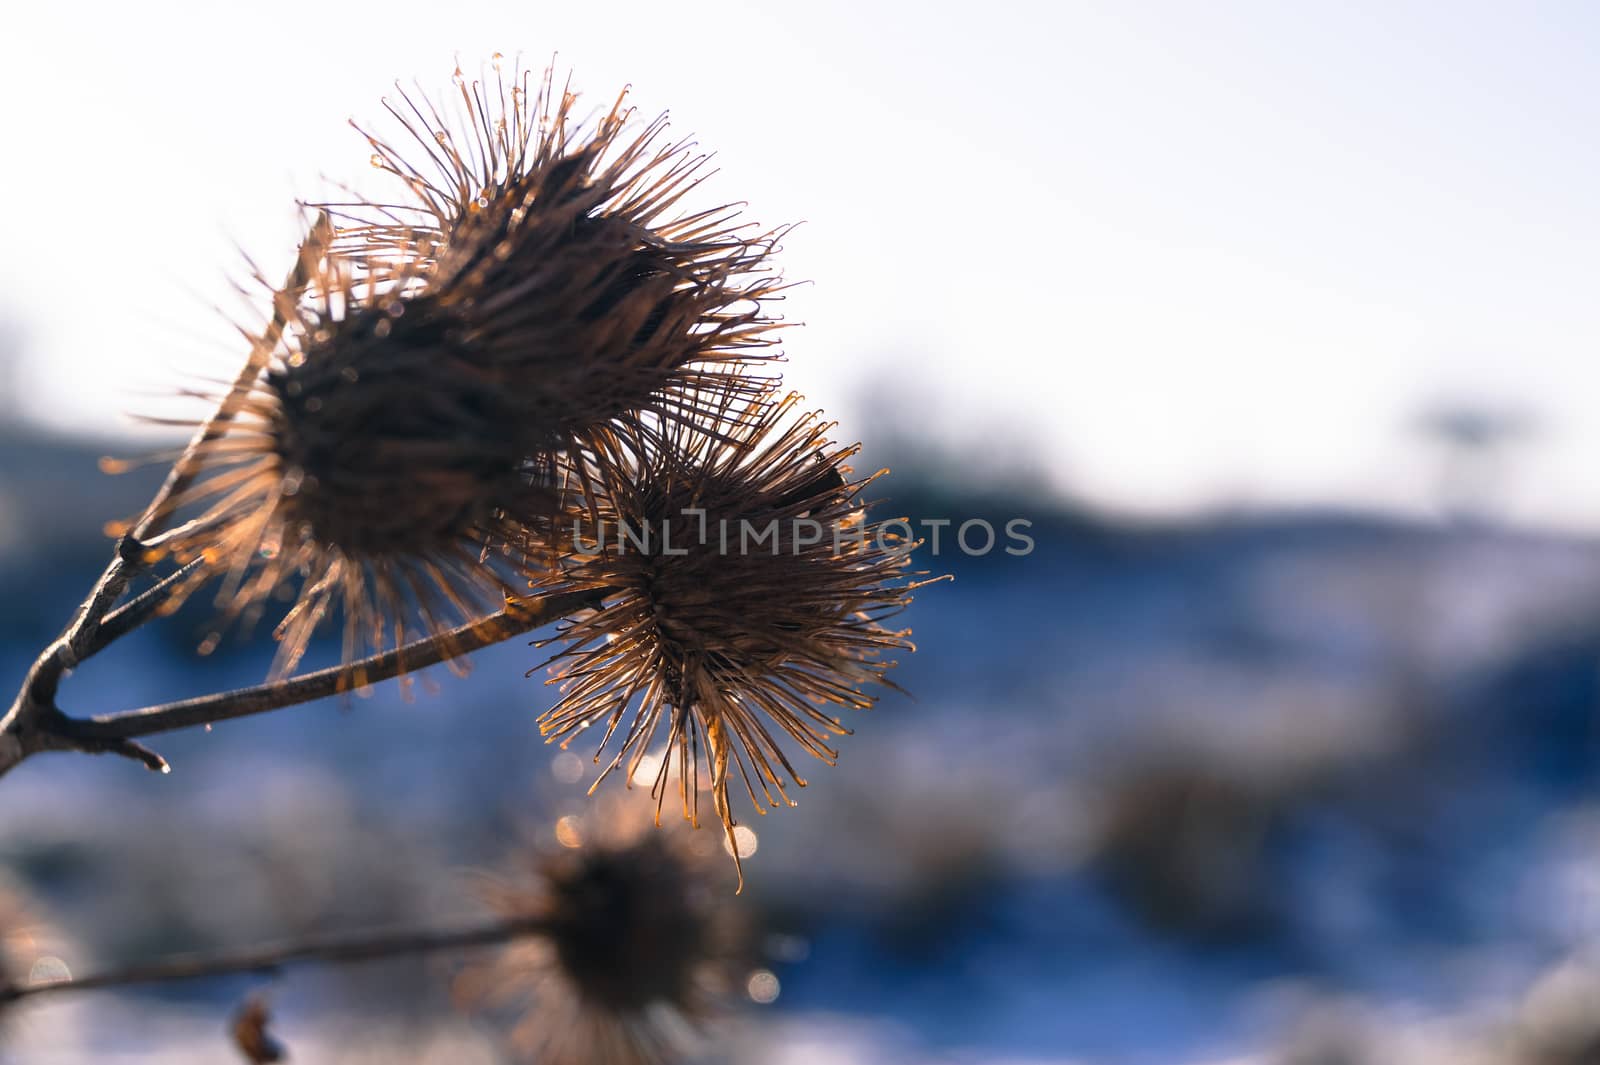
(338, 949)
(140, 609)
(518, 617)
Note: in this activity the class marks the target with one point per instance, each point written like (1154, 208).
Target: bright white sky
(1188, 254)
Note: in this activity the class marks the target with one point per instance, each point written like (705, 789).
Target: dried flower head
(747, 595)
(367, 468)
(639, 954)
(560, 248)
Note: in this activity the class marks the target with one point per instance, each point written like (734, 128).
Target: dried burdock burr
(747, 595)
(562, 247)
(369, 469)
(639, 954)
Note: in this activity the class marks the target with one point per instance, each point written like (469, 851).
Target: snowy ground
(1297, 789)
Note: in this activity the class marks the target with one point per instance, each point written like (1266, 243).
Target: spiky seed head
(561, 249)
(367, 469)
(746, 598)
(639, 955)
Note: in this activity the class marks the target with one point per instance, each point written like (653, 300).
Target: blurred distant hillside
(1154, 774)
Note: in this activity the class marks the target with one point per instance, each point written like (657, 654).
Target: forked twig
(33, 717)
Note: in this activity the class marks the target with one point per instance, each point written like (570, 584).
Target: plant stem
(140, 609)
(338, 949)
(518, 617)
